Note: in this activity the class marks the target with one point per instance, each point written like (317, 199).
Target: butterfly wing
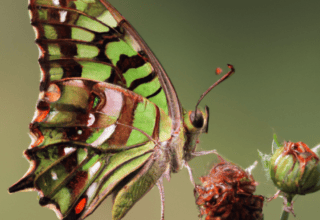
(90, 39)
(81, 151)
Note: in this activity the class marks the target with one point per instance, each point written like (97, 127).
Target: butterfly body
(108, 120)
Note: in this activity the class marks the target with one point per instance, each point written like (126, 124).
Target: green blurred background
(274, 46)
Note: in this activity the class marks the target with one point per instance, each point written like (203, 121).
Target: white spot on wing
(91, 120)
(114, 103)
(94, 169)
(63, 16)
(56, 2)
(79, 132)
(54, 175)
(105, 135)
(69, 150)
(52, 115)
(92, 190)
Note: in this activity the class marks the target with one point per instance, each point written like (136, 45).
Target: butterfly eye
(198, 120)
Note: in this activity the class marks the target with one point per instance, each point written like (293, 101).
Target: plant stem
(285, 214)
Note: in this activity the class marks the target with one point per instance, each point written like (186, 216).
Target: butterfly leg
(201, 153)
(274, 196)
(195, 192)
(197, 154)
(190, 174)
(287, 208)
(161, 190)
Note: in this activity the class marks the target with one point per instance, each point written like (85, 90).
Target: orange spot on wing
(41, 115)
(80, 206)
(53, 93)
(43, 109)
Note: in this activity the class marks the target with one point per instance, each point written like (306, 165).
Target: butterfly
(108, 120)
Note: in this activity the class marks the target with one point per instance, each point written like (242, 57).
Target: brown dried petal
(227, 194)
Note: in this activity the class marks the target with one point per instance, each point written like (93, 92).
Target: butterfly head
(198, 121)
(194, 124)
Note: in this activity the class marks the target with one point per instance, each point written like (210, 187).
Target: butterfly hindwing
(88, 145)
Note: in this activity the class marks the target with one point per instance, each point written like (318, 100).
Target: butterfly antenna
(215, 84)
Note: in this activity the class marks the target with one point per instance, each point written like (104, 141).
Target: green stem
(285, 215)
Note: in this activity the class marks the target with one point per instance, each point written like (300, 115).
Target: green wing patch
(85, 39)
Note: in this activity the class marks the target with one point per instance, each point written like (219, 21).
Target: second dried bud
(227, 194)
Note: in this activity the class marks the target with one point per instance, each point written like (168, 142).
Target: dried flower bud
(227, 194)
(293, 168)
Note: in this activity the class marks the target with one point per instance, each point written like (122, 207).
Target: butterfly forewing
(90, 39)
